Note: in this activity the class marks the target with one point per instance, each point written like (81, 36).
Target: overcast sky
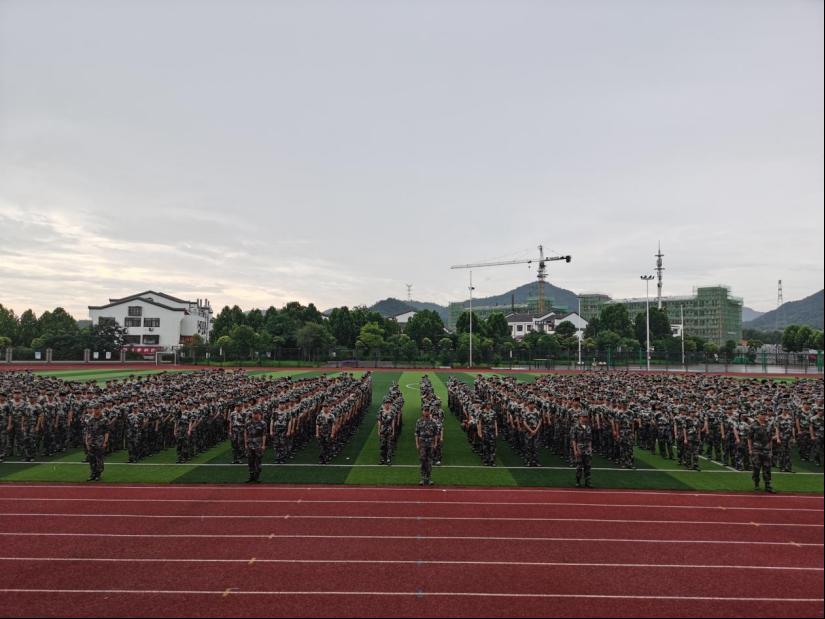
(331, 152)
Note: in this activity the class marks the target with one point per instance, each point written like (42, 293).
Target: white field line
(254, 560)
(418, 538)
(397, 518)
(335, 488)
(371, 502)
(415, 594)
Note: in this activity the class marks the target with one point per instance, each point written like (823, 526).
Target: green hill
(808, 311)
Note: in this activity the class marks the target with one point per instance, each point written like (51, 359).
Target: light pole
(471, 320)
(581, 335)
(682, 312)
(647, 279)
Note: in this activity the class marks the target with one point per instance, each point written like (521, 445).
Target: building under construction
(711, 313)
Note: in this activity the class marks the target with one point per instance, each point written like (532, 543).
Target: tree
(27, 328)
(342, 325)
(462, 325)
(566, 329)
(224, 344)
(445, 350)
(789, 339)
(106, 336)
(463, 349)
(593, 327)
(608, 339)
(371, 338)
(711, 348)
(223, 322)
(255, 319)
(5, 342)
(659, 326)
(425, 324)
(614, 317)
(729, 349)
(496, 327)
(804, 338)
(314, 338)
(8, 323)
(243, 340)
(58, 322)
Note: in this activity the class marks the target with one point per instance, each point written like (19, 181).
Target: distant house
(403, 319)
(522, 325)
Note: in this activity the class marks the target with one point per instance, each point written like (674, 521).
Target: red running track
(96, 550)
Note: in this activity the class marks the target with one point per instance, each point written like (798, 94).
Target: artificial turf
(358, 464)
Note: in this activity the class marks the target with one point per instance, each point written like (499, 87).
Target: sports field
(358, 464)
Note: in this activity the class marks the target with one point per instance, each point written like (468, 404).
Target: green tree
(5, 342)
(445, 350)
(608, 339)
(371, 339)
(342, 326)
(224, 322)
(789, 338)
(593, 327)
(255, 319)
(425, 324)
(566, 329)
(804, 338)
(729, 349)
(244, 340)
(614, 317)
(496, 327)
(659, 326)
(711, 348)
(463, 324)
(8, 323)
(28, 329)
(106, 336)
(315, 339)
(58, 322)
(463, 348)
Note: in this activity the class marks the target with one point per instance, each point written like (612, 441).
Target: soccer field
(358, 464)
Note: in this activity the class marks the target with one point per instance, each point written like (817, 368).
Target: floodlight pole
(647, 279)
(471, 319)
(580, 335)
(682, 312)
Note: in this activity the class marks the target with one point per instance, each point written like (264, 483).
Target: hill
(808, 311)
(561, 297)
(749, 314)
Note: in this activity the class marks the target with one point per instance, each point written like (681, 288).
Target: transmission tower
(779, 302)
(659, 270)
(409, 292)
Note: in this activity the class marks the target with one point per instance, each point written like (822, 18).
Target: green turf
(358, 461)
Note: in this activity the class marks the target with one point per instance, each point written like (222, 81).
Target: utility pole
(647, 279)
(682, 311)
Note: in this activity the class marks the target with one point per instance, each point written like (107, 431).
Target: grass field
(358, 462)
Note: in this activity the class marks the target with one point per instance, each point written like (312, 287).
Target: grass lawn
(358, 461)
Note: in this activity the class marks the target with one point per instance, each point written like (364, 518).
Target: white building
(403, 319)
(155, 321)
(522, 325)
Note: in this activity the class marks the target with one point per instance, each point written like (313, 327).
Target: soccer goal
(169, 358)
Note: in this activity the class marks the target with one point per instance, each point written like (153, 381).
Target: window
(151, 339)
(151, 322)
(132, 322)
(519, 328)
(135, 310)
(131, 339)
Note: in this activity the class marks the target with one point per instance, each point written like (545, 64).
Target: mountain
(808, 311)
(749, 314)
(391, 307)
(560, 297)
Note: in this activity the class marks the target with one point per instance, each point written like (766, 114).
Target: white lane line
(472, 538)
(402, 466)
(375, 502)
(483, 489)
(395, 518)
(415, 562)
(417, 594)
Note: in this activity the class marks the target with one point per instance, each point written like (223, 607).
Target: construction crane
(542, 272)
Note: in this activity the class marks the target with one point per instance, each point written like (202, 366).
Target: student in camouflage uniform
(488, 432)
(325, 433)
(760, 444)
(183, 435)
(787, 432)
(386, 432)
(692, 436)
(255, 444)
(532, 426)
(816, 433)
(426, 438)
(6, 425)
(97, 441)
(135, 424)
(664, 432)
(581, 442)
(236, 430)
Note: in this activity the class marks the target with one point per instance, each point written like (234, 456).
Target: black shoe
(588, 485)
(770, 490)
(421, 483)
(249, 481)
(92, 478)
(430, 482)
(578, 484)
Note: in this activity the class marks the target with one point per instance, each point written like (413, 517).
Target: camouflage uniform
(426, 430)
(255, 443)
(761, 439)
(785, 425)
(97, 432)
(582, 437)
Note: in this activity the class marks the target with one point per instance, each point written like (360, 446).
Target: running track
(97, 550)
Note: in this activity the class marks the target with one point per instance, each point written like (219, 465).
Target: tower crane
(542, 270)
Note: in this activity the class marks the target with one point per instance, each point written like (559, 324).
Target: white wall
(170, 321)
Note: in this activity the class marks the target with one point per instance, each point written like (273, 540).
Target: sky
(258, 152)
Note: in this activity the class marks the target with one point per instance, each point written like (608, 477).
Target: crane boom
(542, 271)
